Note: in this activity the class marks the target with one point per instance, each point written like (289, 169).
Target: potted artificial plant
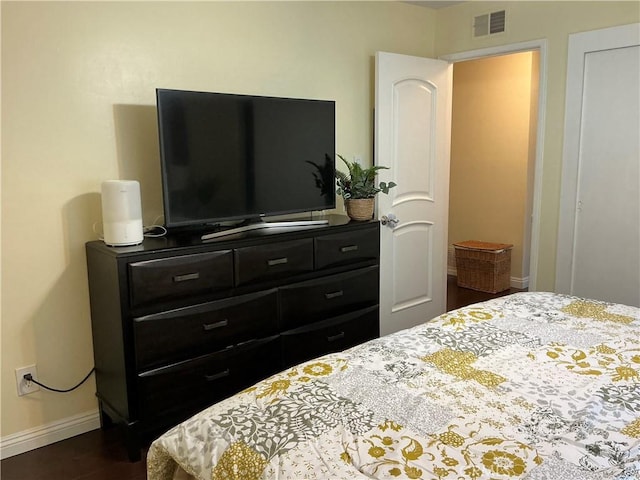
(358, 188)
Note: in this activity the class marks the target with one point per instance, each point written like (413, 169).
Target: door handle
(389, 220)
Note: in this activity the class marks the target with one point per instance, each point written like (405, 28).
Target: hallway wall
(491, 151)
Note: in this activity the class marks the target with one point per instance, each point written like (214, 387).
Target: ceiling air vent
(489, 24)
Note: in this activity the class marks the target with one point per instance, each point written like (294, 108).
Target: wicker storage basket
(483, 266)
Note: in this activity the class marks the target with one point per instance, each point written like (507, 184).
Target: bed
(532, 385)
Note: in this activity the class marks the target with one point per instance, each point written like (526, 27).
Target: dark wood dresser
(179, 323)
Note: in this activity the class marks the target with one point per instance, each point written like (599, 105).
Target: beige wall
(552, 21)
(490, 151)
(78, 100)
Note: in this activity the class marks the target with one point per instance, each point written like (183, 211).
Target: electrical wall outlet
(357, 159)
(26, 387)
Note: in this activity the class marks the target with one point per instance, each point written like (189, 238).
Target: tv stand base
(259, 225)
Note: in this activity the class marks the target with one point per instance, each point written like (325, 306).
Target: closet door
(599, 232)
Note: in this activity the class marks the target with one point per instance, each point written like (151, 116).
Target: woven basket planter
(360, 208)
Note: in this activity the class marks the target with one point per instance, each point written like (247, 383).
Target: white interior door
(599, 234)
(412, 138)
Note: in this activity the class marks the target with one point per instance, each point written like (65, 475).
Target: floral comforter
(529, 386)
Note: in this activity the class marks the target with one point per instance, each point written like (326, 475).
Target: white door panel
(412, 138)
(607, 234)
(599, 231)
(412, 122)
(413, 283)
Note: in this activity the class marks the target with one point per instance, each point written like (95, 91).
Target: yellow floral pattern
(278, 385)
(503, 463)
(464, 317)
(239, 462)
(459, 364)
(595, 311)
(401, 453)
(633, 429)
(621, 364)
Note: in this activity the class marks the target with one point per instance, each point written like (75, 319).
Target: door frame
(579, 45)
(541, 47)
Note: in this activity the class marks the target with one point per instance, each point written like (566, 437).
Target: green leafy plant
(360, 182)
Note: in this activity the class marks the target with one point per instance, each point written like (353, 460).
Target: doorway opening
(494, 144)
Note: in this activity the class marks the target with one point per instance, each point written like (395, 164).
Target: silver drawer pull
(217, 376)
(277, 261)
(349, 248)
(213, 326)
(335, 337)
(331, 295)
(186, 277)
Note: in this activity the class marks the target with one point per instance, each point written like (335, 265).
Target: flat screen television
(227, 157)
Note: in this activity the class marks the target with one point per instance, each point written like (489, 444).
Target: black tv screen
(232, 157)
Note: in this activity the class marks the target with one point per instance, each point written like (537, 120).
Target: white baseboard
(515, 282)
(519, 282)
(37, 437)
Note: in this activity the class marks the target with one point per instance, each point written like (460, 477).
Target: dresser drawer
(181, 276)
(274, 260)
(187, 332)
(331, 335)
(196, 383)
(343, 248)
(306, 302)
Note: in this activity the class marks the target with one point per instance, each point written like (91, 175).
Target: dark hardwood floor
(95, 455)
(459, 297)
(99, 455)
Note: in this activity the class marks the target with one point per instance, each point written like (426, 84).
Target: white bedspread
(530, 386)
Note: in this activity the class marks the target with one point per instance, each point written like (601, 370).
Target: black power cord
(29, 378)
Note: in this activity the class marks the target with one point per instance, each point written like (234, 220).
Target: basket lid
(477, 245)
